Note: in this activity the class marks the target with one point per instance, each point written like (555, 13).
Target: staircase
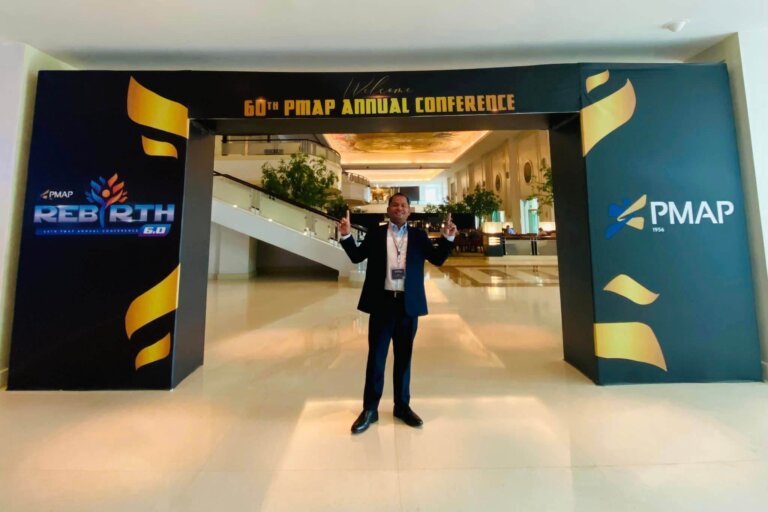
(248, 209)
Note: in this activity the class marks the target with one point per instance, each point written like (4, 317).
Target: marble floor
(264, 425)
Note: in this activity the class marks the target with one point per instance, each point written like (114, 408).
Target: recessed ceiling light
(677, 25)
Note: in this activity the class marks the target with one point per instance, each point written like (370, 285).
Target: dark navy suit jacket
(374, 247)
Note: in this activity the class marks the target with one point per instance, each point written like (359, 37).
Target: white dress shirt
(397, 246)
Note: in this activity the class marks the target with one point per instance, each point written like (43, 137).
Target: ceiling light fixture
(676, 26)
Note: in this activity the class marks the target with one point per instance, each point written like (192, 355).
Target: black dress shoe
(364, 421)
(409, 417)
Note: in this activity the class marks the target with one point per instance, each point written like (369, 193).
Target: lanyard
(399, 243)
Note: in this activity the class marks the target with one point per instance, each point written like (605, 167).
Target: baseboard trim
(3, 378)
(235, 277)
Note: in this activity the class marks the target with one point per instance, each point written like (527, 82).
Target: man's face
(398, 210)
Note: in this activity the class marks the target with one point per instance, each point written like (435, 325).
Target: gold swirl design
(607, 115)
(154, 352)
(158, 301)
(597, 80)
(148, 108)
(630, 289)
(634, 341)
(161, 299)
(154, 147)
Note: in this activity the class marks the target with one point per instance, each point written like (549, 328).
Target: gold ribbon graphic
(597, 80)
(607, 115)
(161, 299)
(634, 341)
(148, 108)
(154, 147)
(154, 352)
(630, 289)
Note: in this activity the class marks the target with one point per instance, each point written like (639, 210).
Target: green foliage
(543, 189)
(448, 207)
(482, 202)
(336, 206)
(303, 180)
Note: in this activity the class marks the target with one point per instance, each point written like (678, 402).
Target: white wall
(506, 160)
(744, 55)
(19, 65)
(11, 87)
(231, 255)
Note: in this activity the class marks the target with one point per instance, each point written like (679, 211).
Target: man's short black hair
(389, 203)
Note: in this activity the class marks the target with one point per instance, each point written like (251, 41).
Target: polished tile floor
(264, 425)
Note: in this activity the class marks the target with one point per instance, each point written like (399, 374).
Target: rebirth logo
(108, 213)
(665, 214)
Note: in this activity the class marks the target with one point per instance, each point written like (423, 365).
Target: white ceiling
(366, 35)
(307, 35)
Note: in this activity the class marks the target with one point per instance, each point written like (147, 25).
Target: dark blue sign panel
(671, 271)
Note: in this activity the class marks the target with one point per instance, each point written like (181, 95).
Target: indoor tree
(304, 180)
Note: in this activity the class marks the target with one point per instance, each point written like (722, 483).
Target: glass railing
(356, 178)
(259, 146)
(256, 200)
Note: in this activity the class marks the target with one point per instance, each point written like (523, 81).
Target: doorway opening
(501, 161)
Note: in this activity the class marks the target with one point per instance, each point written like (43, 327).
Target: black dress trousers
(390, 323)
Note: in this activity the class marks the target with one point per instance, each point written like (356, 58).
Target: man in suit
(393, 294)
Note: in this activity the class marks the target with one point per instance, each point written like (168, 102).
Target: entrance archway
(120, 305)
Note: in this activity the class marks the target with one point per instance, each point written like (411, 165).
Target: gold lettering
(346, 108)
(492, 106)
(394, 106)
(317, 108)
(359, 106)
(370, 105)
(329, 105)
(451, 103)
(404, 106)
(429, 104)
(419, 110)
(303, 107)
(460, 103)
(441, 104)
(511, 101)
(248, 108)
(288, 107)
(480, 103)
(470, 101)
(261, 107)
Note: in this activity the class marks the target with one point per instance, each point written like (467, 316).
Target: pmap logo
(626, 214)
(108, 214)
(56, 194)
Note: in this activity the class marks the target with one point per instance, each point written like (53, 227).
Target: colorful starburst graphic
(105, 193)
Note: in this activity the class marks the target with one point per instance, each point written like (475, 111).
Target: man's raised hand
(450, 228)
(345, 226)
